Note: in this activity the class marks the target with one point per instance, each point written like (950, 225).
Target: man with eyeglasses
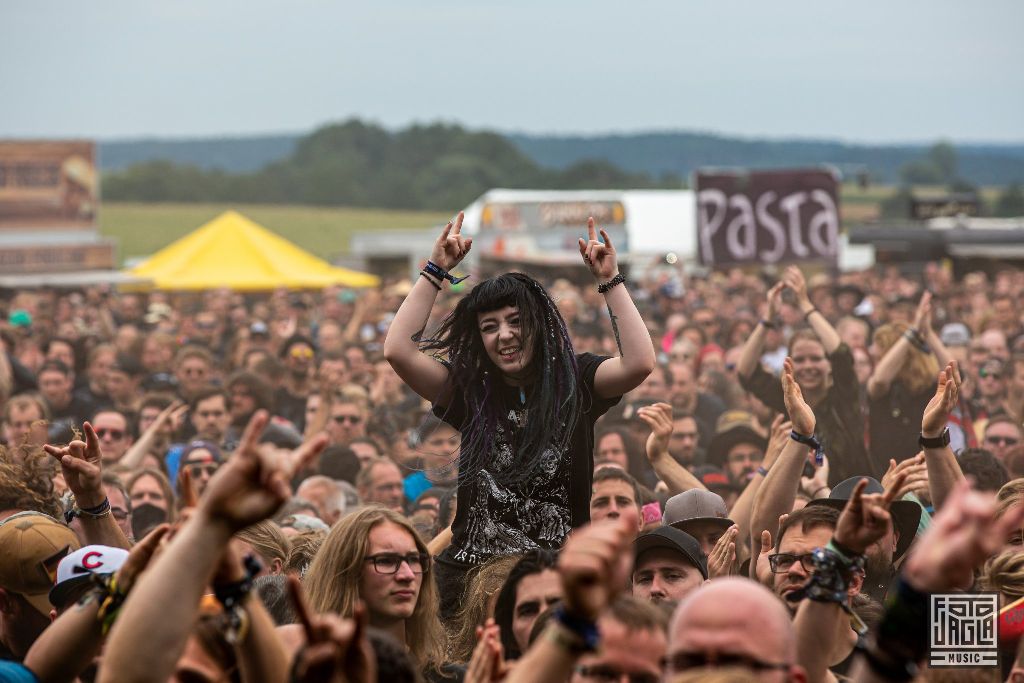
(347, 421)
(990, 401)
(1002, 433)
(114, 433)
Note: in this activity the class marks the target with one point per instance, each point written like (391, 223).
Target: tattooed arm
(636, 357)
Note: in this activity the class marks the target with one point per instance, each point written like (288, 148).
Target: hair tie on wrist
(425, 274)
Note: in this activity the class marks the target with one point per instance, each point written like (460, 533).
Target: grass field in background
(142, 229)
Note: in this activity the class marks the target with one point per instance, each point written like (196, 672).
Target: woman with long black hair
(502, 369)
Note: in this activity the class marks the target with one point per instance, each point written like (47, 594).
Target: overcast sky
(877, 71)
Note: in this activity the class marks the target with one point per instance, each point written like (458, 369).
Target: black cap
(673, 539)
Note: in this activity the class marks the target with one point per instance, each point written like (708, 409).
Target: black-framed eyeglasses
(781, 562)
(390, 563)
(604, 673)
(686, 661)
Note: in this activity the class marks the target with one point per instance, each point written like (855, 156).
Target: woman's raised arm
(636, 357)
(425, 375)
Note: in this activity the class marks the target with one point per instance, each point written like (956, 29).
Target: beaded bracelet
(617, 280)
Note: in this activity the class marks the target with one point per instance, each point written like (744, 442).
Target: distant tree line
(359, 164)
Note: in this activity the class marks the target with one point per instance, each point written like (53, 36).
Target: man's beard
(878, 564)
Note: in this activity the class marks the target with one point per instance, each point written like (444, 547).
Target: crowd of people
(734, 476)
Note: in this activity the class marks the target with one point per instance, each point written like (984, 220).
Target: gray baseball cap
(696, 505)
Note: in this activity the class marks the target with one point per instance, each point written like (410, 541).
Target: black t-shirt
(494, 519)
(894, 422)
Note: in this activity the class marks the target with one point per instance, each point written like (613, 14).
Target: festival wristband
(441, 274)
(812, 442)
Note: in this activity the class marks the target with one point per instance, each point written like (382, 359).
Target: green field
(142, 229)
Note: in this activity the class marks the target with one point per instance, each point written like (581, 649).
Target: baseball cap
(77, 568)
(955, 334)
(32, 544)
(673, 539)
(696, 505)
(715, 478)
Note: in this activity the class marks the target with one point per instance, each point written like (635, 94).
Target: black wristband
(617, 280)
(940, 441)
(808, 313)
(98, 510)
(767, 324)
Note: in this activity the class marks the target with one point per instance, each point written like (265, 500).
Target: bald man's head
(736, 617)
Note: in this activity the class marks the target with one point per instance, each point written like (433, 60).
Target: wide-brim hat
(723, 442)
(906, 514)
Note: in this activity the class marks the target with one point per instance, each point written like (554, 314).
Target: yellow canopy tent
(234, 252)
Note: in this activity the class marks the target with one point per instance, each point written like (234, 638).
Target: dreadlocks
(556, 404)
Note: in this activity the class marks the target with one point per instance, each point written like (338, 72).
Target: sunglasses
(351, 419)
(115, 434)
(685, 661)
(989, 374)
(301, 353)
(1002, 440)
(199, 468)
(609, 674)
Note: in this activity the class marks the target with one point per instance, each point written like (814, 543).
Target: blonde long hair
(332, 582)
(920, 369)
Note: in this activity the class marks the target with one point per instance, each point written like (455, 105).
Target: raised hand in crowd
(963, 535)
(594, 566)
(250, 487)
(777, 492)
(943, 468)
(676, 477)
(916, 481)
(72, 641)
(254, 482)
(760, 568)
(450, 248)
(336, 650)
(800, 414)
(816, 486)
(81, 463)
(599, 255)
(866, 517)
(488, 661)
(168, 421)
(722, 559)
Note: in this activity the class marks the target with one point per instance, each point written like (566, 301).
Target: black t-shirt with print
(494, 519)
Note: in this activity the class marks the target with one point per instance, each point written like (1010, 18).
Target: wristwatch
(940, 441)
